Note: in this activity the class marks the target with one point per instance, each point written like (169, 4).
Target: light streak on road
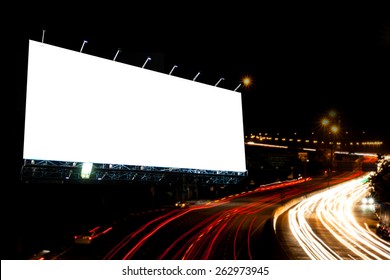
(334, 209)
(201, 240)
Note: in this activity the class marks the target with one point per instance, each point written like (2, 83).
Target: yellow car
(182, 204)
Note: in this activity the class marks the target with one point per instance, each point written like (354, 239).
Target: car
(368, 200)
(41, 255)
(91, 235)
(182, 204)
(383, 231)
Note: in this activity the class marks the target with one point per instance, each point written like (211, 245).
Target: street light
(331, 127)
(325, 121)
(332, 113)
(334, 130)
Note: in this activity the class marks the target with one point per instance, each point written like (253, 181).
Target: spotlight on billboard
(86, 170)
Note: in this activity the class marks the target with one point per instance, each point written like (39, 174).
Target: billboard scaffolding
(129, 122)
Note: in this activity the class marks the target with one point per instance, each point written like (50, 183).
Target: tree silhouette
(380, 181)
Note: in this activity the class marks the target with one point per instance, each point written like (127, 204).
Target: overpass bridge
(346, 143)
(275, 156)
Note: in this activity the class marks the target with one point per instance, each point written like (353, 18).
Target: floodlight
(146, 61)
(82, 46)
(86, 170)
(219, 81)
(174, 66)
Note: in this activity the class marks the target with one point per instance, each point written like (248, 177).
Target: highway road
(236, 227)
(332, 225)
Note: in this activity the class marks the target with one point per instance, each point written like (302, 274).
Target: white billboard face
(82, 108)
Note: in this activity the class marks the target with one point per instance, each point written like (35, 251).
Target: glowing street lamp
(329, 122)
(332, 129)
(332, 113)
(325, 122)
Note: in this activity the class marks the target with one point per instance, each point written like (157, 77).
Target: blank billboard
(82, 108)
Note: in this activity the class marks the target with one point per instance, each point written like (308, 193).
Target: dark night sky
(303, 60)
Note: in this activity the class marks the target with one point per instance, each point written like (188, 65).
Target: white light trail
(334, 209)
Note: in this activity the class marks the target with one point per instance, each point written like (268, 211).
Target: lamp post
(333, 130)
(331, 127)
(303, 156)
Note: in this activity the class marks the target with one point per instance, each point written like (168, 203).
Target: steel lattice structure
(57, 171)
